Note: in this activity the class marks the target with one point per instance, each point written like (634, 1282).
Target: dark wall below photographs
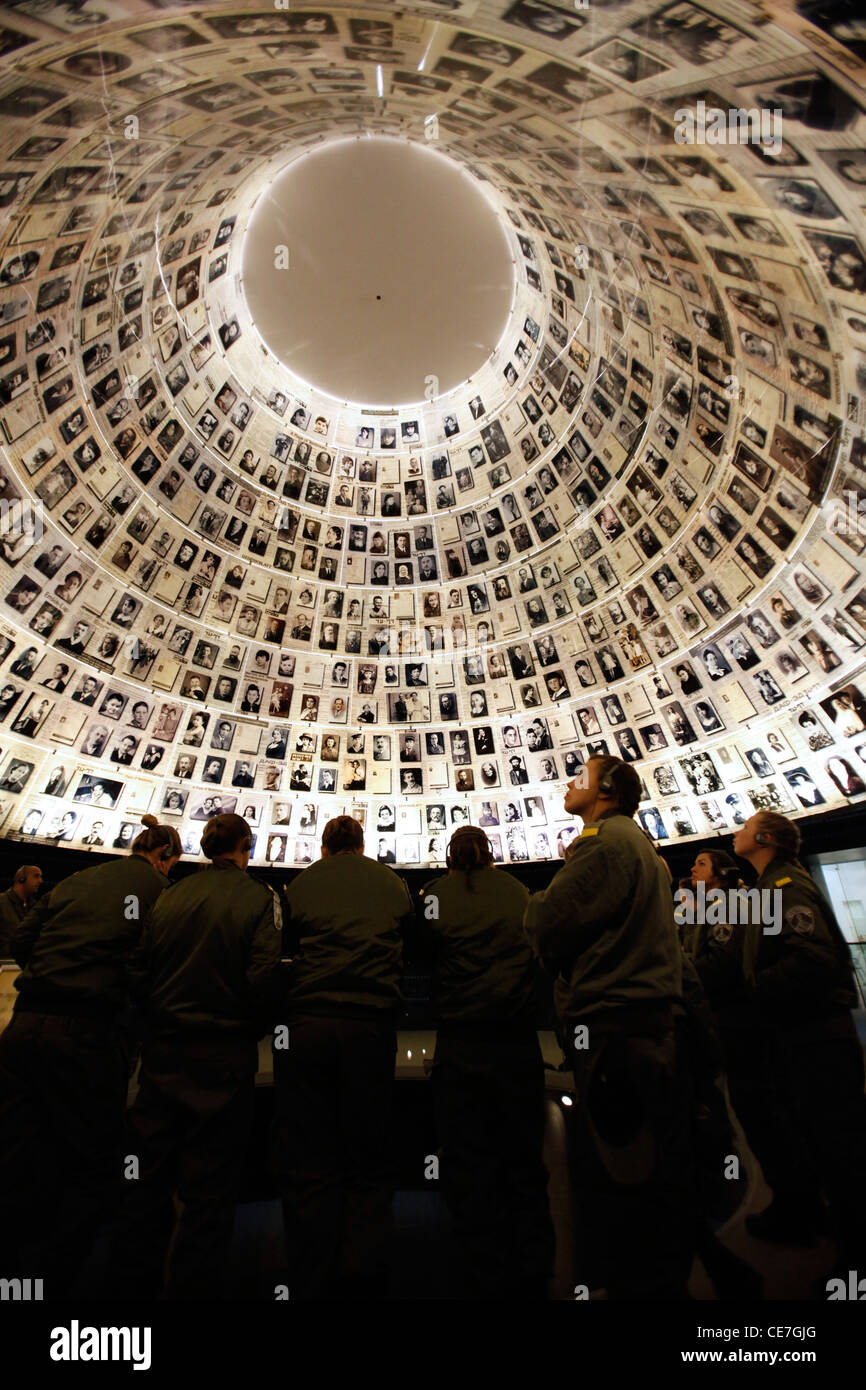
(843, 829)
(833, 831)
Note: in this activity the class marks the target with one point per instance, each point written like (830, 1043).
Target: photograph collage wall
(633, 532)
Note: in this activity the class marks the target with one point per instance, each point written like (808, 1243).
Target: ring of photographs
(639, 530)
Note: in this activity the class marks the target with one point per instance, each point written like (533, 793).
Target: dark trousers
(488, 1093)
(62, 1099)
(334, 1088)
(765, 1112)
(822, 1075)
(633, 1166)
(188, 1128)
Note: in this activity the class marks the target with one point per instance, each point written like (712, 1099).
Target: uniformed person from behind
(64, 1058)
(15, 903)
(334, 1072)
(725, 954)
(488, 1073)
(804, 987)
(209, 969)
(605, 928)
(718, 1195)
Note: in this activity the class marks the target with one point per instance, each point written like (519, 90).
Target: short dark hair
(225, 833)
(343, 835)
(468, 850)
(625, 783)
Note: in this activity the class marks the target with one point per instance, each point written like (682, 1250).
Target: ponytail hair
(780, 831)
(225, 833)
(469, 850)
(157, 837)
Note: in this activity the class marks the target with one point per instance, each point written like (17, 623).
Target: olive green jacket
(484, 968)
(803, 972)
(209, 960)
(75, 947)
(348, 919)
(12, 912)
(605, 925)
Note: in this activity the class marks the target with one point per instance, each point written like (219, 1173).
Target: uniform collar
(780, 867)
(145, 860)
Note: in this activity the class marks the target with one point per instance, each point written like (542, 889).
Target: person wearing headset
(64, 1057)
(804, 990)
(488, 1071)
(207, 977)
(334, 1084)
(605, 929)
(724, 953)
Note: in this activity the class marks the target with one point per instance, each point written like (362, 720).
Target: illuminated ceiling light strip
(427, 51)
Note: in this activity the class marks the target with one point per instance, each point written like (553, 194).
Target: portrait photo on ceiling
(402, 404)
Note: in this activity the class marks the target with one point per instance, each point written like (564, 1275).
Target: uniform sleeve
(725, 966)
(26, 936)
(9, 924)
(138, 964)
(720, 969)
(807, 964)
(263, 973)
(584, 899)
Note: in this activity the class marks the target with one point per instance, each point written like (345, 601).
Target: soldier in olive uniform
(605, 928)
(14, 904)
(804, 988)
(64, 1058)
(334, 1074)
(725, 955)
(208, 969)
(488, 1074)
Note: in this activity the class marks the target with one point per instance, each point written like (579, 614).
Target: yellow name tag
(590, 830)
(780, 882)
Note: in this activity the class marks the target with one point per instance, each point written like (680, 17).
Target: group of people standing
(193, 974)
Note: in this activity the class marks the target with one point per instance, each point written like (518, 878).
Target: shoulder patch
(780, 882)
(588, 830)
(801, 920)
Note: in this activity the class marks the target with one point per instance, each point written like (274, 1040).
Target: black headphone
(606, 782)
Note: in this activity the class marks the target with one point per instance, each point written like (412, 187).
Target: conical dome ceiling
(401, 403)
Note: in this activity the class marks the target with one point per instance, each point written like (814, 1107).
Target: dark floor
(427, 1267)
